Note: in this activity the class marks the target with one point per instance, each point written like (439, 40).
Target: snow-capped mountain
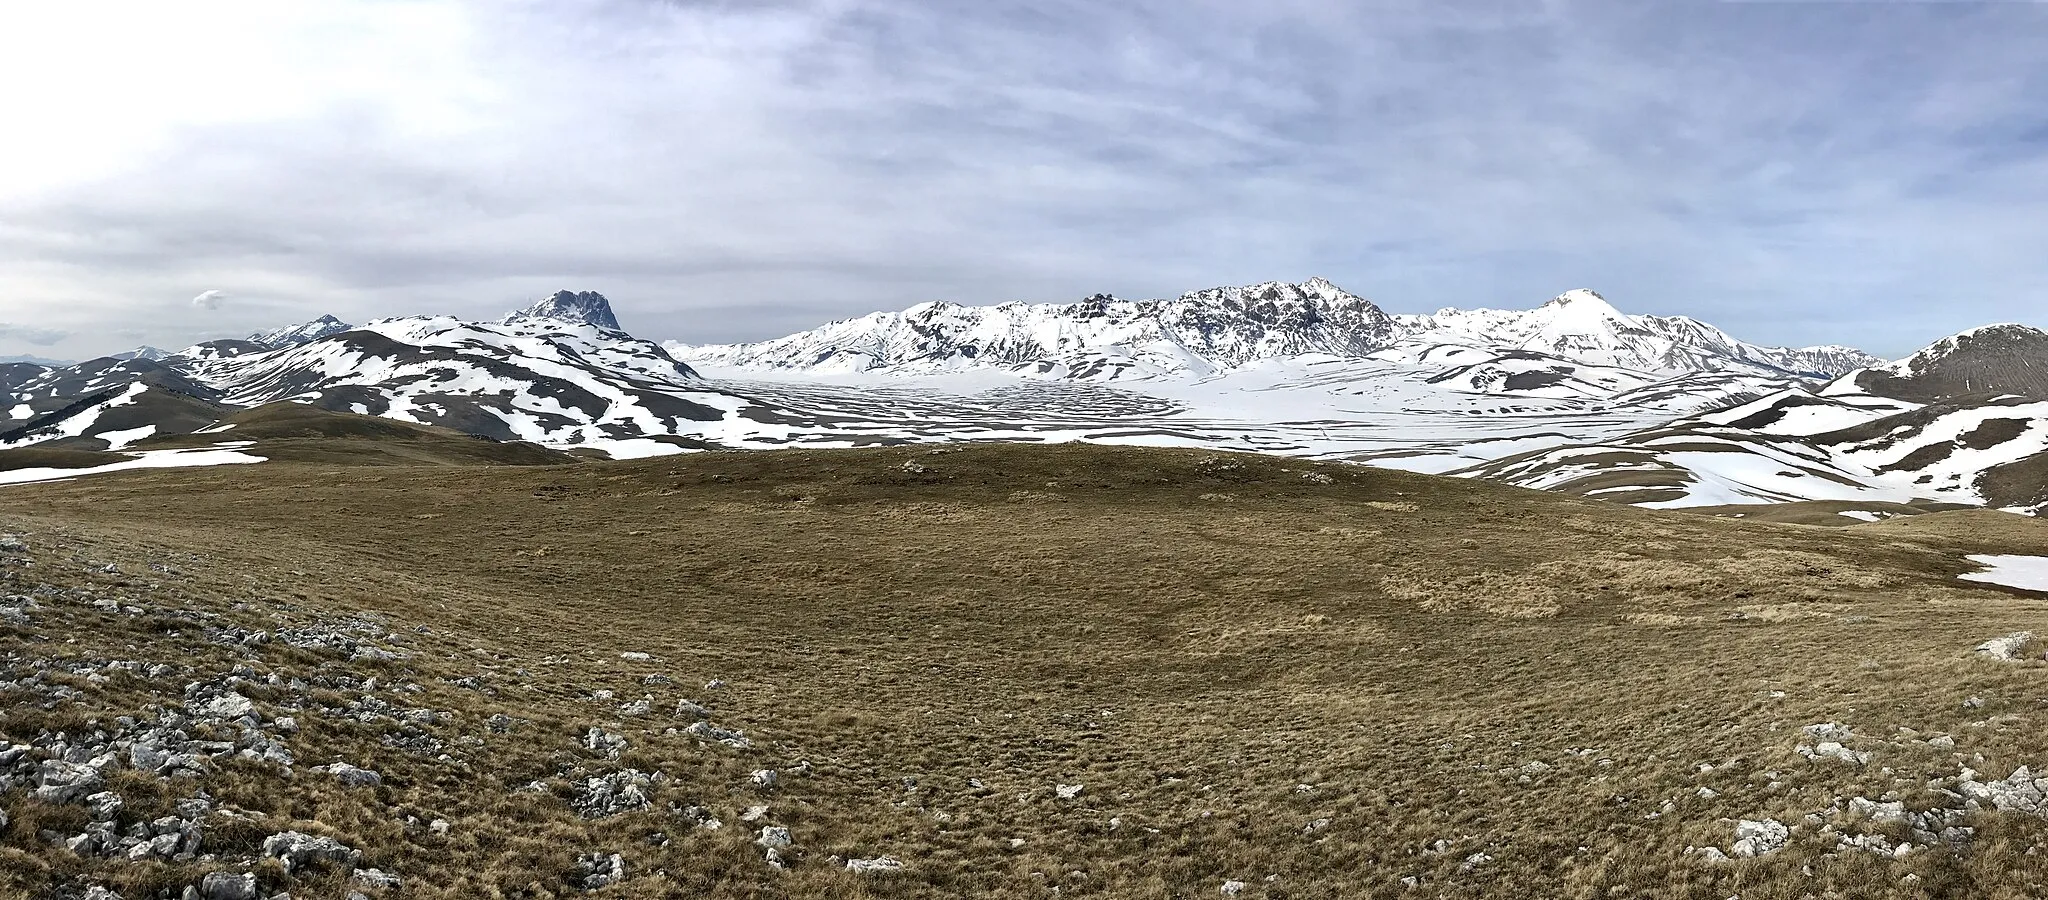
(1572, 395)
(572, 307)
(1100, 338)
(1993, 359)
(1583, 326)
(293, 335)
(1215, 330)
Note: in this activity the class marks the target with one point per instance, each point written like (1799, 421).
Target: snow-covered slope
(293, 335)
(1582, 325)
(1100, 338)
(1215, 330)
(1963, 421)
(1573, 395)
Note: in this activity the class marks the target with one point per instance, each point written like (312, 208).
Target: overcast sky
(1872, 173)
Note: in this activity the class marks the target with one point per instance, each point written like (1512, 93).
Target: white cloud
(729, 171)
(209, 299)
(29, 334)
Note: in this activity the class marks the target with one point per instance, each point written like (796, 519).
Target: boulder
(228, 886)
(298, 850)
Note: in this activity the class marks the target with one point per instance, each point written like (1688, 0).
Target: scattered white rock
(1828, 731)
(773, 836)
(1233, 888)
(2019, 792)
(618, 792)
(1835, 751)
(298, 850)
(1067, 791)
(877, 864)
(1755, 838)
(763, 778)
(2007, 648)
(597, 870)
(727, 736)
(635, 656)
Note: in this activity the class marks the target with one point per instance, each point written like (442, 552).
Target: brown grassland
(1315, 679)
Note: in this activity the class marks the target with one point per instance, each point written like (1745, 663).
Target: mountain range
(1215, 330)
(1572, 395)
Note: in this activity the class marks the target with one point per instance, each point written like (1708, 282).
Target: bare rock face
(573, 307)
(1995, 359)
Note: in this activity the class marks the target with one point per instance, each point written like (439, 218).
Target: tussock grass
(1385, 651)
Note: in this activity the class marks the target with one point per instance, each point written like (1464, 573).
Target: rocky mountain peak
(303, 333)
(2005, 358)
(573, 307)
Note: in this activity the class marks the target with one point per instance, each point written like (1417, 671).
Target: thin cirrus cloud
(1797, 173)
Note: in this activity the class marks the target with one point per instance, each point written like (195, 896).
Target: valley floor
(1000, 671)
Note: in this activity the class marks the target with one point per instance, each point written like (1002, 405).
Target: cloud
(1797, 173)
(40, 337)
(209, 299)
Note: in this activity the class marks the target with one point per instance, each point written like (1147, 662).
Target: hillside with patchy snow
(1572, 395)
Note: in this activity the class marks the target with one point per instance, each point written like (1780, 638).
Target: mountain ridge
(1572, 395)
(1218, 329)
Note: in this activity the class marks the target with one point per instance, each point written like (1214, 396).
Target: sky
(1867, 173)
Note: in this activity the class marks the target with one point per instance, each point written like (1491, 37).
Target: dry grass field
(1265, 677)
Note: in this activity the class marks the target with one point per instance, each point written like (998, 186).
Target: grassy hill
(297, 432)
(1113, 672)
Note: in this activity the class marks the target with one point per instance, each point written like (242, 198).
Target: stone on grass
(298, 850)
(877, 864)
(1755, 838)
(609, 795)
(377, 879)
(351, 776)
(773, 836)
(727, 736)
(230, 705)
(65, 782)
(228, 886)
(605, 742)
(596, 870)
(2007, 648)
(1067, 791)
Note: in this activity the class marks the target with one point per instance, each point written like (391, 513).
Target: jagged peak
(1582, 300)
(302, 333)
(572, 307)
